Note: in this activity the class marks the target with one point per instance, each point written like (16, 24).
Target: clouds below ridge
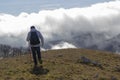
(61, 23)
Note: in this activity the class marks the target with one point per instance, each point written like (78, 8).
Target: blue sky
(15, 7)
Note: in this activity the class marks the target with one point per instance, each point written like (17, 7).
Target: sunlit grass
(62, 65)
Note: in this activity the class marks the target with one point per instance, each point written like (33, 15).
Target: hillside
(63, 64)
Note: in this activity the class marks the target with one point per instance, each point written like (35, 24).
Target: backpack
(34, 39)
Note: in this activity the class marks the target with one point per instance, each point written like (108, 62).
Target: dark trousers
(36, 53)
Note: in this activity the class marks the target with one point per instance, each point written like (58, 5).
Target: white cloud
(61, 23)
(63, 45)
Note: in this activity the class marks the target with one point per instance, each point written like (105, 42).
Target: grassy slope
(61, 65)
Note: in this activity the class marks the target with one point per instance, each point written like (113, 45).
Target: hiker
(35, 40)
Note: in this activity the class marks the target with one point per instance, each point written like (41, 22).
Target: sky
(15, 7)
(57, 20)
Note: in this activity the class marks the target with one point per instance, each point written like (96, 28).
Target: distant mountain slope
(91, 40)
(81, 40)
(112, 44)
(63, 64)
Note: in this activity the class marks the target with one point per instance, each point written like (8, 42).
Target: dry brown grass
(62, 65)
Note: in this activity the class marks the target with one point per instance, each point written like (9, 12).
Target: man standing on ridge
(35, 39)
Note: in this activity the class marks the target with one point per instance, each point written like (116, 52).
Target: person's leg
(34, 55)
(39, 54)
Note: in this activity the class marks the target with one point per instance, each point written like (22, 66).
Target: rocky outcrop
(85, 60)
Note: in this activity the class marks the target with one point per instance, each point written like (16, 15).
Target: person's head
(32, 27)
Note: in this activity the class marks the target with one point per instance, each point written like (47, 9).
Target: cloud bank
(63, 45)
(61, 24)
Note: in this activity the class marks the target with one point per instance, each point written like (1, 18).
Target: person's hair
(32, 27)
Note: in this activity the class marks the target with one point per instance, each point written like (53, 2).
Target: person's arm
(28, 37)
(42, 39)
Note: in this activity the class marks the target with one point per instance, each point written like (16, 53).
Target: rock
(85, 60)
(96, 76)
(113, 78)
(97, 64)
(117, 68)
